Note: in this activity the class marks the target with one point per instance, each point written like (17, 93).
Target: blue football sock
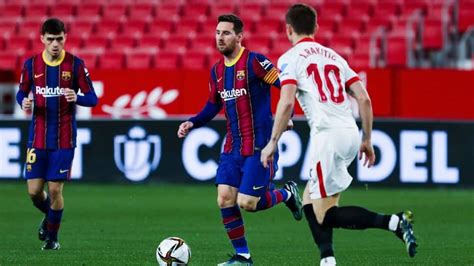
(234, 224)
(272, 198)
(54, 221)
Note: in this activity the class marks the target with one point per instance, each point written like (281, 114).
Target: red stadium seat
(11, 10)
(359, 61)
(168, 10)
(188, 26)
(90, 58)
(108, 27)
(89, 10)
(116, 10)
(258, 45)
(363, 45)
(82, 28)
(32, 27)
(466, 19)
(203, 44)
(250, 8)
(7, 28)
(396, 50)
(123, 43)
(276, 12)
(357, 23)
(387, 7)
(343, 41)
(164, 60)
(160, 25)
(330, 24)
(280, 45)
(36, 10)
(138, 60)
(194, 60)
(334, 7)
(176, 43)
(196, 10)
(221, 8)
(270, 27)
(432, 33)
(360, 8)
(135, 27)
(324, 37)
(19, 42)
(249, 20)
(142, 11)
(63, 10)
(410, 6)
(150, 41)
(208, 28)
(385, 21)
(72, 41)
(8, 61)
(37, 46)
(112, 61)
(97, 41)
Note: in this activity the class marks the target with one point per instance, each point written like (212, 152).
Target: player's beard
(227, 50)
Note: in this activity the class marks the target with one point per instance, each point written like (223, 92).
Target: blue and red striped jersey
(242, 88)
(53, 124)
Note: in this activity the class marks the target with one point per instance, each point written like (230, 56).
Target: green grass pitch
(123, 224)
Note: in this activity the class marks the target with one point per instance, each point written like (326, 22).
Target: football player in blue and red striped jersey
(54, 78)
(240, 84)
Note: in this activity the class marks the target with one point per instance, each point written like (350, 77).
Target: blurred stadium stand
(369, 33)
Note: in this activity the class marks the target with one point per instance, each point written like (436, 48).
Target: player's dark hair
(53, 26)
(238, 24)
(302, 18)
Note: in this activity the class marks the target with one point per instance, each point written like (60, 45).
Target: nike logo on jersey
(257, 188)
(219, 79)
(39, 75)
(63, 171)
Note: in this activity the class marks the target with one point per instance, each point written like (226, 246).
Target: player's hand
(184, 129)
(367, 149)
(289, 126)
(266, 156)
(70, 95)
(26, 104)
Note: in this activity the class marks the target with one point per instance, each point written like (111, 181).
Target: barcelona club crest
(66, 75)
(240, 74)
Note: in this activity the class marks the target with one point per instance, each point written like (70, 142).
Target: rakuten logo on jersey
(232, 94)
(49, 91)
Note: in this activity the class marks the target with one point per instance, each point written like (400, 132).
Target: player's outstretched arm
(184, 129)
(281, 123)
(358, 91)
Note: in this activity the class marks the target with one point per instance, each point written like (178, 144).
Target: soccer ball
(173, 251)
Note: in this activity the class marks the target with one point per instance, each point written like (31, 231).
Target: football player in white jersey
(321, 80)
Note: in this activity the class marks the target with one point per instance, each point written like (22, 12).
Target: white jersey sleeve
(287, 70)
(321, 77)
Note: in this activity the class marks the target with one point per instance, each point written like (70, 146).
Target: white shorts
(332, 151)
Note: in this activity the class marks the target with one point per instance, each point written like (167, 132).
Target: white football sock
(393, 224)
(245, 255)
(328, 261)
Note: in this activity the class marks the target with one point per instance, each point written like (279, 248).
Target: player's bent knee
(35, 193)
(225, 201)
(55, 192)
(248, 205)
(320, 217)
